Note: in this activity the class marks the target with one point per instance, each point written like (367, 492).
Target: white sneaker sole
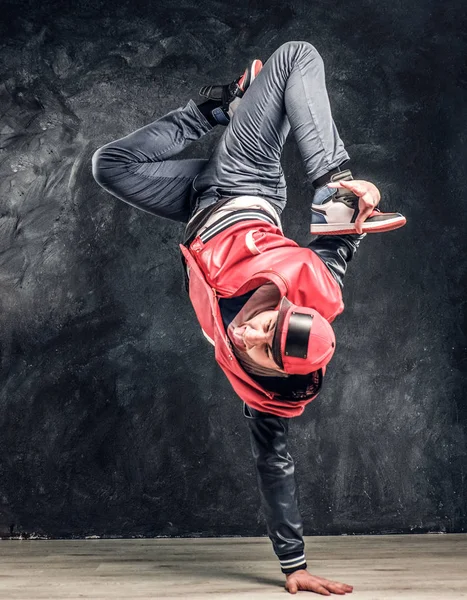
(368, 227)
(257, 64)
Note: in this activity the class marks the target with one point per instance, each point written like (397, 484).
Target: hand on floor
(304, 581)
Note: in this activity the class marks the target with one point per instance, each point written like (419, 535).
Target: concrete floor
(402, 567)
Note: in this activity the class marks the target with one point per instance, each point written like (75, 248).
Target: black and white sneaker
(334, 212)
(229, 94)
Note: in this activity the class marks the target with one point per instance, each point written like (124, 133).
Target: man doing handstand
(262, 301)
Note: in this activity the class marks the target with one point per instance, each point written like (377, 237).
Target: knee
(99, 167)
(96, 164)
(298, 48)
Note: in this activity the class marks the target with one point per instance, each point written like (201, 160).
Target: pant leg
(289, 93)
(138, 168)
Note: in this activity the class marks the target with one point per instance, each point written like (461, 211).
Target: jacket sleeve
(336, 251)
(275, 472)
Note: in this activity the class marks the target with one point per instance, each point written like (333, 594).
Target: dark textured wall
(114, 418)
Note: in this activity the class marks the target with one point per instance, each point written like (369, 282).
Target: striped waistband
(244, 214)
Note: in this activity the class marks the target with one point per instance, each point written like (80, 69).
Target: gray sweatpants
(289, 93)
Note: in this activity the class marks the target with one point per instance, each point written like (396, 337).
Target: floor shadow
(231, 574)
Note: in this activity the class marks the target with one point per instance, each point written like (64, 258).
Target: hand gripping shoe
(334, 212)
(230, 93)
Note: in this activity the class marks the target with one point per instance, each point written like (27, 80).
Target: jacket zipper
(223, 334)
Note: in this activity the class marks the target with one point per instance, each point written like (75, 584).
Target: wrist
(297, 572)
(292, 562)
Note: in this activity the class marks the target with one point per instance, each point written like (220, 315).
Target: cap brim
(284, 307)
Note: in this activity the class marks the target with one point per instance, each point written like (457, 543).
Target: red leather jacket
(242, 258)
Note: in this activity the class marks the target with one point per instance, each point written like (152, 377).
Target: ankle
(326, 178)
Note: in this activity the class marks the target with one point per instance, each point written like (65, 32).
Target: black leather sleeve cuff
(292, 562)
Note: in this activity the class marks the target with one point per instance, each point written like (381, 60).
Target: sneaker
(230, 93)
(334, 212)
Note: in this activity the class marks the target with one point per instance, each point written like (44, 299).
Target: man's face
(255, 338)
